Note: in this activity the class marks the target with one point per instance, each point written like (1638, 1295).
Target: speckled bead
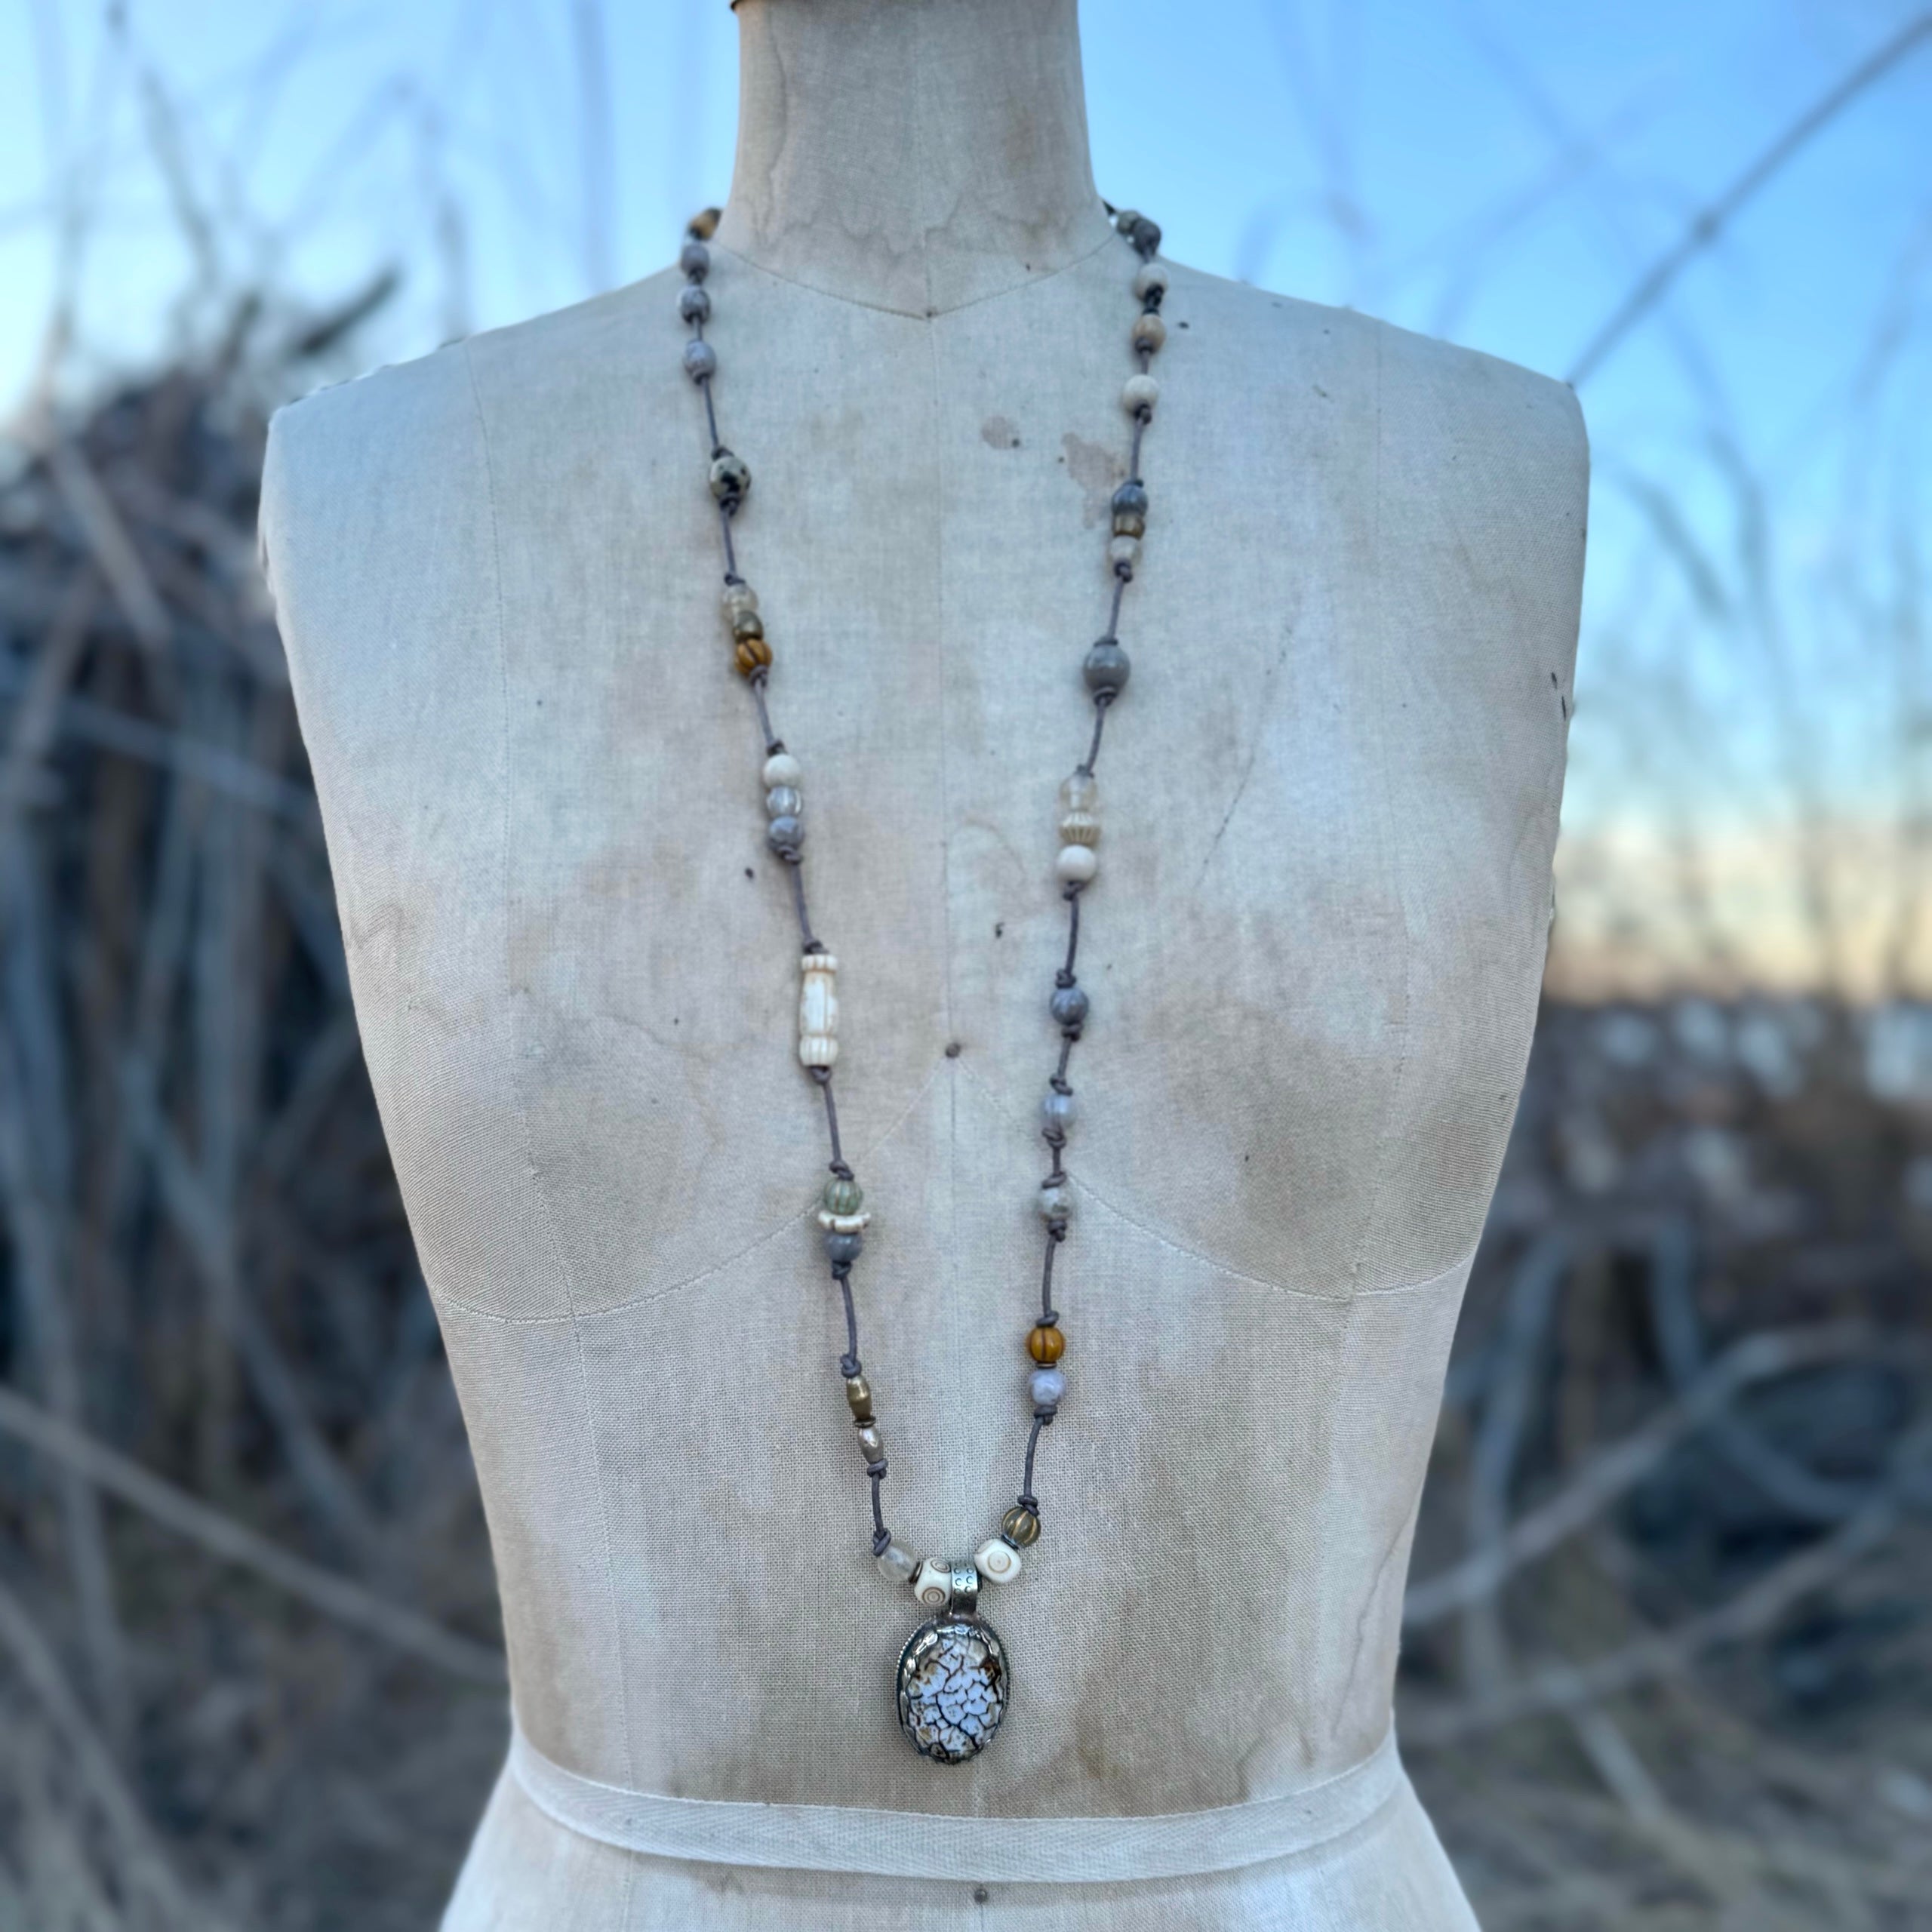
(701, 361)
(1076, 865)
(1150, 333)
(859, 1399)
(1139, 392)
(1056, 1203)
(1021, 1526)
(784, 801)
(1106, 668)
(1047, 1387)
(1069, 1005)
(730, 479)
(694, 303)
(997, 1561)
(932, 1583)
(1057, 1111)
(1046, 1344)
(1151, 283)
(896, 1565)
(781, 768)
(694, 258)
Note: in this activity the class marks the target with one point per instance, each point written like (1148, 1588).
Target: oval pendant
(953, 1687)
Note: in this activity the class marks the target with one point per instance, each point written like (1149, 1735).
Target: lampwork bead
(1106, 667)
(932, 1583)
(1150, 333)
(704, 223)
(781, 768)
(818, 1010)
(1046, 1345)
(701, 361)
(998, 1562)
(694, 258)
(1021, 1526)
(1047, 1387)
(1069, 1005)
(784, 801)
(841, 1196)
(786, 834)
(1079, 828)
(1076, 865)
(896, 1565)
(753, 653)
(843, 1249)
(1150, 282)
(1057, 1111)
(1080, 791)
(1139, 392)
(694, 303)
(1124, 554)
(859, 1398)
(1056, 1203)
(731, 478)
(871, 1444)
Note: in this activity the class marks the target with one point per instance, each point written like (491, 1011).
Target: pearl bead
(1057, 1111)
(1047, 1387)
(1152, 279)
(701, 361)
(998, 1562)
(818, 1010)
(1139, 392)
(1106, 667)
(1150, 333)
(781, 768)
(786, 835)
(896, 1565)
(1055, 1202)
(1123, 553)
(1081, 792)
(1045, 1344)
(784, 801)
(932, 1583)
(859, 1398)
(1076, 865)
(694, 303)
(1021, 1525)
(694, 258)
(1069, 1005)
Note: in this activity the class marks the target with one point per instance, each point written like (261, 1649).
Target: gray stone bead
(1068, 1005)
(701, 361)
(1106, 667)
(1131, 499)
(784, 801)
(694, 258)
(843, 1248)
(786, 833)
(1047, 1387)
(1057, 1111)
(694, 303)
(730, 480)
(895, 1565)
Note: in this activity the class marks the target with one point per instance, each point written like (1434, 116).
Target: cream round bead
(1080, 792)
(1139, 392)
(1125, 550)
(932, 1583)
(1150, 333)
(1079, 828)
(781, 768)
(1076, 864)
(1151, 278)
(998, 1562)
(818, 1010)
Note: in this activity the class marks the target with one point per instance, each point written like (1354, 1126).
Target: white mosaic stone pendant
(953, 1687)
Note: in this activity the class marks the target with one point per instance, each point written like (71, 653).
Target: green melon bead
(842, 1197)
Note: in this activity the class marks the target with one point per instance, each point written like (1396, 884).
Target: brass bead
(1046, 1346)
(746, 623)
(858, 1394)
(753, 653)
(1020, 1527)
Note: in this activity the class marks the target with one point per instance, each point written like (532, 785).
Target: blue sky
(1489, 170)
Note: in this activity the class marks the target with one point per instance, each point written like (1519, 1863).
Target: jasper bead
(1076, 865)
(1106, 668)
(694, 303)
(784, 801)
(753, 654)
(844, 1250)
(1150, 333)
(859, 1399)
(1047, 1387)
(1139, 392)
(731, 478)
(1021, 1525)
(1057, 1111)
(1046, 1346)
(701, 361)
(1069, 1005)
(998, 1562)
(896, 1565)
(781, 768)
(694, 258)
(841, 1196)
(786, 834)
(1151, 282)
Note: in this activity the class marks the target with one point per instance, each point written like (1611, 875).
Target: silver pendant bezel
(923, 1640)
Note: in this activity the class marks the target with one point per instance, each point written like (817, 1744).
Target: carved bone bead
(818, 1010)
(932, 1584)
(996, 1560)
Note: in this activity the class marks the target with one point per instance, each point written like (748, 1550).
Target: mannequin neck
(912, 155)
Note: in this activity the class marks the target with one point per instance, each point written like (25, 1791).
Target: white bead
(1076, 864)
(1151, 276)
(932, 1583)
(844, 1224)
(1081, 792)
(998, 1562)
(1080, 828)
(1125, 550)
(781, 768)
(1139, 392)
(818, 1010)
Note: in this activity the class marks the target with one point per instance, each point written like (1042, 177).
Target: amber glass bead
(753, 653)
(1046, 1345)
(1020, 1527)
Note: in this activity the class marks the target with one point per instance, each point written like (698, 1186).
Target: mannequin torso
(1331, 797)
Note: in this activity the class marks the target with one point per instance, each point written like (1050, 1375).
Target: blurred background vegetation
(1669, 1655)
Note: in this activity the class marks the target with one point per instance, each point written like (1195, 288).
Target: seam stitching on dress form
(543, 1209)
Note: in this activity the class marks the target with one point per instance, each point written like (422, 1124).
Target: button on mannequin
(1313, 953)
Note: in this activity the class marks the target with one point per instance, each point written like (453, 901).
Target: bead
(1139, 392)
(701, 361)
(739, 597)
(1046, 1345)
(1079, 828)
(1123, 553)
(1145, 235)
(704, 223)
(1131, 499)
(841, 1196)
(842, 1250)
(1021, 1525)
(786, 835)
(1150, 333)
(859, 1398)
(1080, 792)
(1047, 1387)
(781, 768)
(818, 1010)
(1125, 218)
(896, 1565)
(1057, 1111)
(1056, 1203)
(998, 1562)
(731, 478)
(844, 1224)
(932, 1584)
(871, 1444)
(1127, 523)
(753, 653)
(694, 258)
(1069, 1005)
(694, 303)
(784, 801)
(1076, 865)
(1151, 281)
(1106, 667)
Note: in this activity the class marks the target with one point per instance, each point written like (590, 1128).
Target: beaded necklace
(953, 1682)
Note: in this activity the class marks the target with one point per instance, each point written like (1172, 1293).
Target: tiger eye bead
(1046, 1345)
(753, 654)
(859, 1396)
(1019, 1525)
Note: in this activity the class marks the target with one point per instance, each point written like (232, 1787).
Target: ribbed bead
(1046, 1345)
(1021, 1526)
(841, 1196)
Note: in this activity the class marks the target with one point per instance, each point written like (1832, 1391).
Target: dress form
(1331, 797)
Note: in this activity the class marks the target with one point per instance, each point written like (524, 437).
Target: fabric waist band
(919, 1844)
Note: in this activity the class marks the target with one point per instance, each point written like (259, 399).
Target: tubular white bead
(818, 1010)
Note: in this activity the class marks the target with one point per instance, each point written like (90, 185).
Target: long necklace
(954, 1682)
